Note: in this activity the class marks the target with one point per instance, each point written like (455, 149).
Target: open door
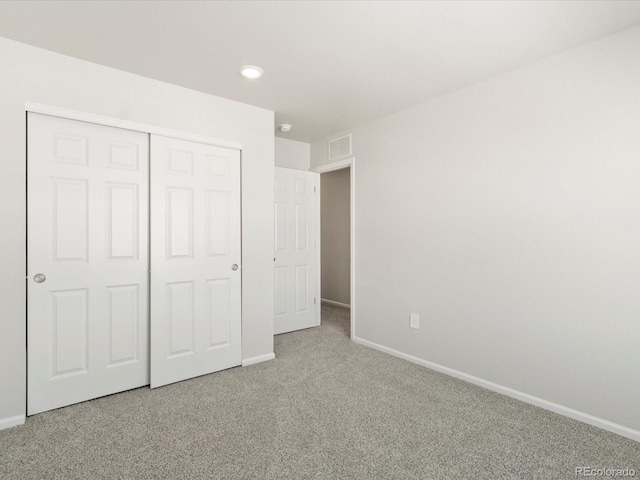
(297, 297)
(195, 259)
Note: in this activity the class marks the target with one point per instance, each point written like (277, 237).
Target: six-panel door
(195, 259)
(88, 248)
(87, 261)
(295, 273)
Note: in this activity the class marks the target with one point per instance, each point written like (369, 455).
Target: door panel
(180, 318)
(123, 317)
(87, 211)
(123, 218)
(195, 293)
(296, 266)
(69, 340)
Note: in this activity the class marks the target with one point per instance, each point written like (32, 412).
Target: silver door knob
(234, 267)
(39, 278)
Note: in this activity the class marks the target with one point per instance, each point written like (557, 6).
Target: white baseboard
(525, 397)
(12, 421)
(258, 359)
(338, 304)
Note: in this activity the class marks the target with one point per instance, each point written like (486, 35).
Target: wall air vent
(340, 147)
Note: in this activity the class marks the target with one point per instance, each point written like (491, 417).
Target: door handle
(234, 267)
(39, 278)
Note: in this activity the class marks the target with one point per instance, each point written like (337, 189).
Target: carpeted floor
(325, 408)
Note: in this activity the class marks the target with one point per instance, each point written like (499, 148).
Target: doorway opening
(337, 253)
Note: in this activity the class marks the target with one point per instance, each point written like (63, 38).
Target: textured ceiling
(328, 65)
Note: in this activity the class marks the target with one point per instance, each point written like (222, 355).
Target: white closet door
(195, 259)
(296, 267)
(87, 262)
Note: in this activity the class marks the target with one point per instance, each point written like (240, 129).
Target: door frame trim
(330, 167)
(318, 244)
(127, 125)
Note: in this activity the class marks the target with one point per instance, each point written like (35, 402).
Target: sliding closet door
(195, 259)
(87, 262)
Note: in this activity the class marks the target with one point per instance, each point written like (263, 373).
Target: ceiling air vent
(340, 147)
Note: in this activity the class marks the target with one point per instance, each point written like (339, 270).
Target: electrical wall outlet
(415, 321)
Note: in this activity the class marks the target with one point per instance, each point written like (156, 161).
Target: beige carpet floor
(325, 408)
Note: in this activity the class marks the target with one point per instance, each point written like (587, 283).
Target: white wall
(507, 215)
(292, 154)
(335, 200)
(34, 75)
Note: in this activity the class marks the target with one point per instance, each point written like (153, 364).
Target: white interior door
(195, 259)
(87, 261)
(296, 267)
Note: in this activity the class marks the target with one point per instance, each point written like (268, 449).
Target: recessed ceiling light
(285, 127)
(251, 71)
